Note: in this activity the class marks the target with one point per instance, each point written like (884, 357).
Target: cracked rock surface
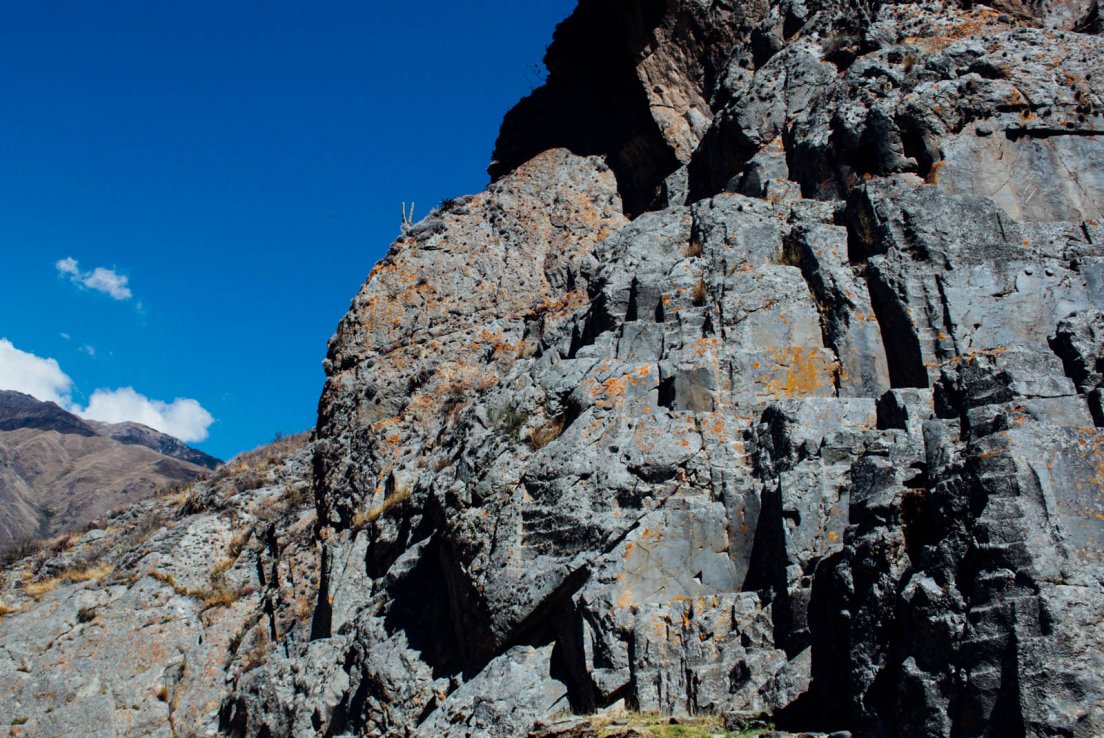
(134, 626)
(764, 381)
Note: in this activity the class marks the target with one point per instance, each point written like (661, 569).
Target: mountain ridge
(59, 472)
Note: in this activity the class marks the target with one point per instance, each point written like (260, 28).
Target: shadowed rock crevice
(593, 102)
(903, 353)
(1092, 21)
(426, 614)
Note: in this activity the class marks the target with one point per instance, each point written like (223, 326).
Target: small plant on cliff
(698, 293)
(75, 575)
(510, 420)
(257, 653)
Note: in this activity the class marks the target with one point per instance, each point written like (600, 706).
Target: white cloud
(68, 266)
(88, 349)
(100, 279)
(182, 418)
(33, 375)
(42, 378)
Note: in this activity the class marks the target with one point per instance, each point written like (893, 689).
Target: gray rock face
(810, 433)
(133, 628)
(765, 380)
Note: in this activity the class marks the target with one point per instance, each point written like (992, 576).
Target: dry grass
(62, 543)
(547, 433)
(273, 452)
(257, 653)
(219, 595)
(237, 545)
(223, 566)
(698, 293)
(933, 173)
(37, 589)
(372, 514)
(7, 610)
(249, 470)
(694, 248)
(21, 549)
(303, 608)
(95, 572)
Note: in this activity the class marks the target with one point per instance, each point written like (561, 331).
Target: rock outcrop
(59, 472)
(764, 381)
(132, 627)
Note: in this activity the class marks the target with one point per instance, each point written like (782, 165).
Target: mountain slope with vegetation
(59, 472)
(135, 625)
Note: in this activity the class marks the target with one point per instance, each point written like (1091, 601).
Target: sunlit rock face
(135, 625)
(764, 378)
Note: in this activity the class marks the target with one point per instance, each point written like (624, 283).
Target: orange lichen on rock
(801, 372)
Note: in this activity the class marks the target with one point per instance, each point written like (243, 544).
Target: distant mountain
(59, 472)
(18, 411)
(136, 434)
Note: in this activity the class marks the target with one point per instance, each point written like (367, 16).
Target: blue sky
(241, 165)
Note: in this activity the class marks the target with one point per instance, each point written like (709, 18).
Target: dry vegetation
(699, 292)
(87, 573)
(21, 549)
(547, 433)
(218, 595)
(249, 470)
(367, 517)
(655, 725)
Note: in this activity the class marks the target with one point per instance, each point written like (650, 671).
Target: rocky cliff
(764, 380)
(134, 626)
